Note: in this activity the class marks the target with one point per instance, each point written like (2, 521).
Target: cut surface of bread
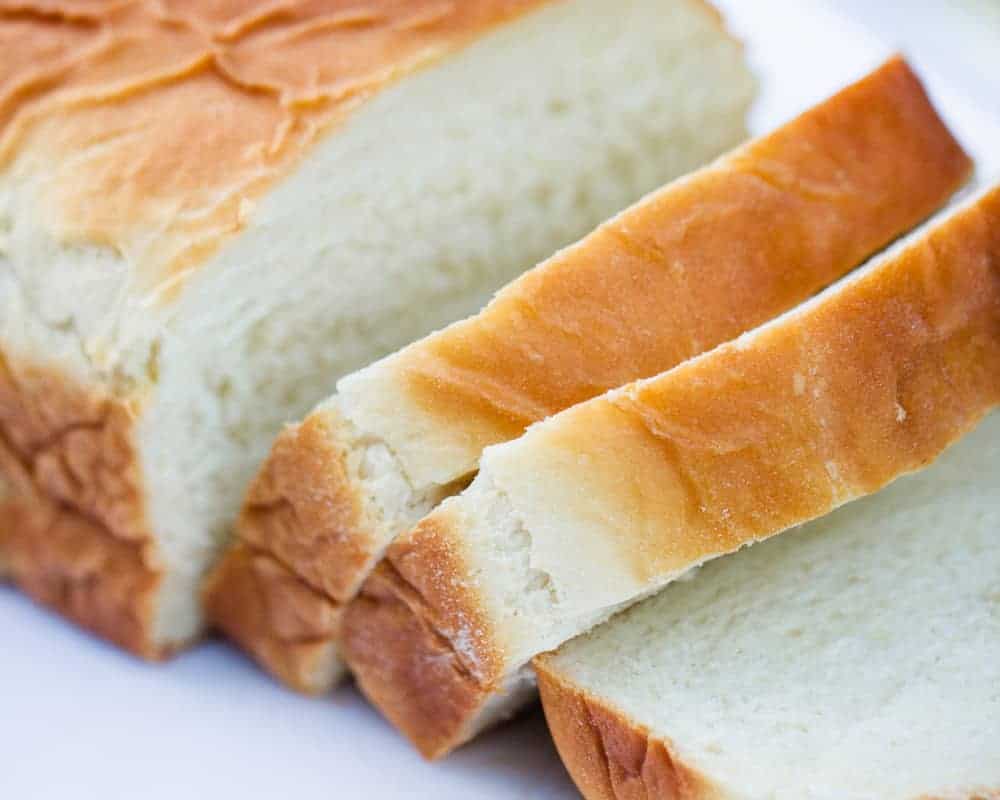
(209, 212)
(607, 502)
(856, 658)
(692, 265)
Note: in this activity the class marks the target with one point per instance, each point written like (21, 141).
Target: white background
(80, 720)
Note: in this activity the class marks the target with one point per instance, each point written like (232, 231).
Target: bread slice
(210, 211)
(608, 501)
(694, 264)
(856, 658)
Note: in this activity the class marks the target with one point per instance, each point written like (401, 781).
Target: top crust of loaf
(100, 104)
(622, 493)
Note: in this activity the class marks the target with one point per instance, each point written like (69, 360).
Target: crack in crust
(283, 622)
(416, 650)
(75, 535)
(257, 83)
(610, 757)
(301, 504)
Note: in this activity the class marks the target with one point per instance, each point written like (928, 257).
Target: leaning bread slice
(856, 658)
(692, 265)
(210, 211)
(612, 499)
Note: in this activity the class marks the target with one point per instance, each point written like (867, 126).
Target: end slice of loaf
(856, 658)
(608, 501)
(212, 211)
(692, 265)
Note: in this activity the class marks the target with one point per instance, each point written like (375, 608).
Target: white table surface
(80, 720)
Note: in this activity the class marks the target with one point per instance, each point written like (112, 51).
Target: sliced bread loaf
(608, 501)
(210, 211)
(857, 658)
(694, 264)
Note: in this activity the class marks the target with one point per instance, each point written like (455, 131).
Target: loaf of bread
(856, 658)
(211, 211)
(697, 263)
(607, 502)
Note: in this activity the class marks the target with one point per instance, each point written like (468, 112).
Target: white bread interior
(857, 657)
(391, 498)
(427, 198)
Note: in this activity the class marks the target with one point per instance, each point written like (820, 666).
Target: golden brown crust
(287, 626)
(767, 433)
(610, 756)
(871, 383)
(399, 637)
(808, 202)
(295, 513)
(127, 86)
(302, 503)
(868, 386)
(75, 533)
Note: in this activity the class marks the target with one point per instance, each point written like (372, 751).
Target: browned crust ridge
(399, 637)
(295, 514)
(302, 503)
(74, 531)
(287, 626)
(607, 754)
(318, 533)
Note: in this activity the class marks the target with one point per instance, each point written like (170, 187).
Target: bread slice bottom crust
(73, 527)
(609, 756)
(285, 617)
(399, 635)
(288, 627)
